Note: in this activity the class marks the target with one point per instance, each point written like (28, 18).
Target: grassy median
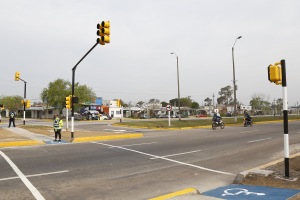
(200, 122)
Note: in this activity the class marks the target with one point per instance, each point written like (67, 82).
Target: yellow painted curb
(174, 194)
(84, 139)
(21, 143)
(273, 163)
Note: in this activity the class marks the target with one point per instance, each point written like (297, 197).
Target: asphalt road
(161, 162)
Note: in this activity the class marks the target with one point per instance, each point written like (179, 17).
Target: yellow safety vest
(58, 123)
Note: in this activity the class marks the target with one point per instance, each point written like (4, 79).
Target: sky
(43, 40)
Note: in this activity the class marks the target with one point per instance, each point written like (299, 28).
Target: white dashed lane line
(259, 140)
(178, 154)
(134, 144)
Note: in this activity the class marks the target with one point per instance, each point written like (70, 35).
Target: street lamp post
(234, 86)
(178, 86)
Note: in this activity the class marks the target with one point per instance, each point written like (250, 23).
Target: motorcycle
(218, 124)
(247, 122)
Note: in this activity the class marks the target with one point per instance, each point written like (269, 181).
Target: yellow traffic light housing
(275, 74)
(22, 101)
(17, 76)
(118, 103)
(103, 32)
(28, 104)
(1, 107)
(69, 102)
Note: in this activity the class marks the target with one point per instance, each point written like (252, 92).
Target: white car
(102, 117)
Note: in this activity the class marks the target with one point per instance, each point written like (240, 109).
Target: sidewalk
(28, 134)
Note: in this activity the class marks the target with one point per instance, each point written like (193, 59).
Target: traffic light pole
(285, 119)
(24, 100)
(73, 82)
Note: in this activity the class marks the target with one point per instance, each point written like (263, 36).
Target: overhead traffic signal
(28, 104)
(103, 32)
(69, 102)
(17, 76)
(275, 74)
(118, 103)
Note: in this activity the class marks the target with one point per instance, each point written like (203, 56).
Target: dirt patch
(66, 135)
(7, 136)
(279, 171)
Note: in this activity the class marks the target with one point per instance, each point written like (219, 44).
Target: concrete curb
(85, 139)
(194, 127)
(240, 176)
(182, 192)
(21, 143)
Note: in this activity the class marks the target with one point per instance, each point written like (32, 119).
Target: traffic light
(118, 103)
(69, 102)
(1, 107)
(17, 76)
(22, 101)
(103, 32)
(28, 104)
(275, 74)
(74, 100)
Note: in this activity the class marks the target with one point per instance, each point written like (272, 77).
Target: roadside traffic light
(28, 104)
(22, 101)
(118, 103)
(103, 32)
(275, 74)
(69, 102)
(17, 76)
(1, 107)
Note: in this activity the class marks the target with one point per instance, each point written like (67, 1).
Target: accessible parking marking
(178, 154)
(175, 161)
(259, 140)
(28, 184)
(250, 192)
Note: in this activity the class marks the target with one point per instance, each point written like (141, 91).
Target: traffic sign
(169, 107)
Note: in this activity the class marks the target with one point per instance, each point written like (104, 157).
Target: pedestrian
(11, 118)
(58, 123)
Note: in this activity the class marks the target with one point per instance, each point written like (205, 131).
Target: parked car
(181, 116)
(108, 117)
(103, 117)
(201, 115)
(163, 116)
(145, 117)
(77, 116)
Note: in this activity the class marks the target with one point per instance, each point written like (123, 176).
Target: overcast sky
(43, 40)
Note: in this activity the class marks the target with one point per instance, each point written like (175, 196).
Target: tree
(56, 92)
(154, 101)
(123, 103)
(164, 104)
(258, 102)
(225, 95)
(208, 101)
(12, 102)
(183, 102)
(139, 104)
(195, 105)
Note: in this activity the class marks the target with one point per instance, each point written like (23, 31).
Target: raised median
(201, 123)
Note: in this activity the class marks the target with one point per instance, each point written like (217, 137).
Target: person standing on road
(11, 118)
(58, 123)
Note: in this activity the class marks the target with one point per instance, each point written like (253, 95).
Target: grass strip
(201, 122)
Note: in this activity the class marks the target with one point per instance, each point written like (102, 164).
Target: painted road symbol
(169, 107)
(250, 192)
(240, 192)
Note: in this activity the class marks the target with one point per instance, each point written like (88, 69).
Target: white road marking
(107, 129)
(135, 144)
(15, 177)
(182, 163)
(249, 131)
(119, 130)
(178, 154)
(28, 184)
(259, 140)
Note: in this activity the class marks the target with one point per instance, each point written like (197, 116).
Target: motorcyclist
(216, 118)
(247, 116)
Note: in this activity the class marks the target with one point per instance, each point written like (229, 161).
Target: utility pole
(297, 108)
(213, 101)
(274, 107)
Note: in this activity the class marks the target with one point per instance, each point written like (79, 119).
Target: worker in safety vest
(58, 123)
(12, 118)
